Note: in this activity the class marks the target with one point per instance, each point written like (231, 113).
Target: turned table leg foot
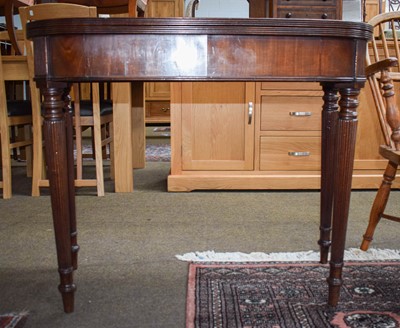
(67, 289)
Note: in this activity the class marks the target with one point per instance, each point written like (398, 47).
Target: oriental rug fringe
(351, 254)
(292, 295)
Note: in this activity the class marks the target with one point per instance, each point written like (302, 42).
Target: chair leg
(78, 133)
(99, 161)
(13, 138)
(104, 135)
(97, 144)
(112, 172)
(93, 144)
(6, 161)
(379, 204)
(28, 151)
(39, 169)
(79, 150)
(38, 172)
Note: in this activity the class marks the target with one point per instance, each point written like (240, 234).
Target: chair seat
(106, 107)
(390, 154)
(19, 108)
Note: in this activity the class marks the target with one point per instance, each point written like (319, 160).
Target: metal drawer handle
(250, 105)
(165, 109)
(299, 153)
(300, 113)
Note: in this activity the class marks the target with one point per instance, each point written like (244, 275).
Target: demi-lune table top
(201, 49)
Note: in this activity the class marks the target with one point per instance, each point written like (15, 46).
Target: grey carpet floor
(128, 275)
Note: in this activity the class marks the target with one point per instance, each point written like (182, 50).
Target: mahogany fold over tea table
(179, 49)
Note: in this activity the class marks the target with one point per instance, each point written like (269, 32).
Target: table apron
(198, 57)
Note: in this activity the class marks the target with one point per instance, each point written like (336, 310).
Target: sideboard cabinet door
(217, 125)
(165, 8)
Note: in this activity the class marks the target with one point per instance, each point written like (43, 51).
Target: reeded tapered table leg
(343, 169)
(55, 135)
(71, 183)
(329, 120)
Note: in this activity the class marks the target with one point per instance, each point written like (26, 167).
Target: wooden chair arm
(381, 65)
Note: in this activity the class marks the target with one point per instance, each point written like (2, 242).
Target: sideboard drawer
(157, 108)
(306, 3)
(290, 153)
(315, 13)
(299, 113)
(309, 86)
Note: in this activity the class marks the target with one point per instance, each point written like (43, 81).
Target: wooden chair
(13, 113)
(382, 73)
(95, 113)
(9, 8)
(191, 7)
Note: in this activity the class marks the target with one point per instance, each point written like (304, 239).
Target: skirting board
(205, 181)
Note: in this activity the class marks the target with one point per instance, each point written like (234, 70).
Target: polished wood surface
(218, 50)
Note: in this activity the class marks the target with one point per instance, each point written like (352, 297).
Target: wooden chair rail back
(385, 45)
(382, 71)
(392, 111)
(390, 151)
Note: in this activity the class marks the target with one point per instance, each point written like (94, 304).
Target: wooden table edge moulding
(331, 52)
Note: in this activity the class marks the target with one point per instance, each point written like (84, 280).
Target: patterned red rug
(158, 152)
(154, 152)
(13, 320)
(289, 295)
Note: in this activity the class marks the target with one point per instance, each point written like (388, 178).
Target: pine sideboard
(260, 135)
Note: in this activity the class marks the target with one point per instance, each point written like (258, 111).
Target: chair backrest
(385, 45)
(112, 7)
(50, 11)
(53, 11)
(12, 68)
(386, 41)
